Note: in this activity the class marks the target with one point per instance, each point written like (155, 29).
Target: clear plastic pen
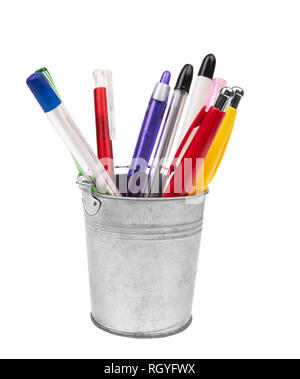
(104, 117)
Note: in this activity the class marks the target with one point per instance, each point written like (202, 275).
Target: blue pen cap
(43, 92)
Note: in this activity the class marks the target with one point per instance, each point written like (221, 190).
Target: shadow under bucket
(143, 257)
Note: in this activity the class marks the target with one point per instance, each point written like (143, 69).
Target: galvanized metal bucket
(143, 257)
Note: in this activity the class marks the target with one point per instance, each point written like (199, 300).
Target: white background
(247, 293)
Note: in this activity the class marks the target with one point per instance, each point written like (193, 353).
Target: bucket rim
(151, 199)
(88, 184)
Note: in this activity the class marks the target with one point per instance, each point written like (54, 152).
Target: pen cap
(185, 78)
(47, 75)
(103, 78)
(216, 85)
(43, 92)
(208, 66)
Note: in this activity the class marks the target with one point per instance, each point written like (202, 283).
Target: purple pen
(150, 128)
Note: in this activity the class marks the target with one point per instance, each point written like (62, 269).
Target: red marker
(104, 114)
(195, 146)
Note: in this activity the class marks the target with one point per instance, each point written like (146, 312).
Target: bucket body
(143, 256)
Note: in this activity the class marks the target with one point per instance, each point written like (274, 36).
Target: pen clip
(189, 136)
(185, 144)
(111, 109)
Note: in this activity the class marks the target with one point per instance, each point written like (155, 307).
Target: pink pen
(216, 86)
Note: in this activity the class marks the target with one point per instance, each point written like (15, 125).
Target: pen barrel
(104, 143)
(171, 128)
(187, 170)
(81, 150)
(100, 100)
(198, 98)
(190, 134)
(105, 154)
(148, 134)
(218, 147)
(167, 137)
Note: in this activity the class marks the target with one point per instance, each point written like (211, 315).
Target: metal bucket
(143, 256)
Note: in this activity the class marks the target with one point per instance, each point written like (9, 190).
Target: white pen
(199, 92)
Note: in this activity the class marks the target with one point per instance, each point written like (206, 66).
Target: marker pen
(70, 134)
(195, 146)
(199, 92)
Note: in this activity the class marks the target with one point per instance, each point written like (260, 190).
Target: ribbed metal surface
(143, 256)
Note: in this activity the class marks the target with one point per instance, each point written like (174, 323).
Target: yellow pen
(218, 147)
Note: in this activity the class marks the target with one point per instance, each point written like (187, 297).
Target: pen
(170, 127)
(216, 85)
(48, 76)
(149, 131)
(104, 116)
(195, 146)
(70, 134)
(218, 147)
(199, 92)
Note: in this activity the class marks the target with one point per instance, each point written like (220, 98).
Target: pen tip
(166, 76)
(185, 78)
(208, 66)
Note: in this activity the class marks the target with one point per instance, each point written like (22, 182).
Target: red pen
(104, 114)
(195, 146)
